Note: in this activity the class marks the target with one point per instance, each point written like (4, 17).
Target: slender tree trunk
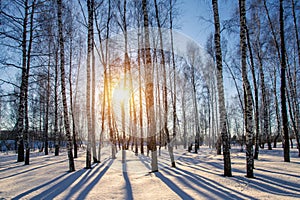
(264, 102)
(71, 97)
(293, 105)
(47, 111)
(140, 96)
(296, 30)
(56, 132)
(104, 63)
(63, 87)
(171, 144)
(247, 93)
(126, 68)
(265, 105)
(222, 108)
(26, 130)
(276, 108)
(88, 85)
(20, 120)
(283, 87)
(93, 111)
(256, 117)
(149, 92)
(196, 114)
(295, 85)
(165, 97)
(183, 105)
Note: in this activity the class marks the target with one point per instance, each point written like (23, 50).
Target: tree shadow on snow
(87, 176)
(273, 185)
(211, 188)
(65, 183)
(76, 174)
(129, 194)
(97, 176)
(28, 170)
(262, 181)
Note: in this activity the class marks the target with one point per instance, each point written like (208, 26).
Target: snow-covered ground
(197, 176)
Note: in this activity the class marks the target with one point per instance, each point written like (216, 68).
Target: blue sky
(193, 26)
(193, 10)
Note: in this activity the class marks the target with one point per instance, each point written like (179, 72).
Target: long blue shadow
(174, 187)
(267, 183)
(205, 183)
(32, 169)
(129, 194)
(60, 187)
(39, 187)
(274, 172)
(167, 181)
(212, 186)
(90, 174)
(89, 187)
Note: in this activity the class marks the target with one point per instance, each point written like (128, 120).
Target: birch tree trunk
(149, 92)
(248, 112)
(26, 130)
(256, 140)
(297, 116)
(283, 87)
(56, 132)
(173, 141)
(222, 108)
(126, 69)
(140, 95)
(88, 164)
(265, 105)
(20, 120)
(71, 96)
(63, 87)
(93, 111)
(165, 97)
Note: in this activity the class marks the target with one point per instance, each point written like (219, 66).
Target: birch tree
(63, 86)
(286, 148)
(248, 109)
(88, 84)
(149, 92)
(222, 108)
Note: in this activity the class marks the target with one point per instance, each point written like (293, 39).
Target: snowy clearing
(197, 176)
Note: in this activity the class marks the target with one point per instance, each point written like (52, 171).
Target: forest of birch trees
(86, 74)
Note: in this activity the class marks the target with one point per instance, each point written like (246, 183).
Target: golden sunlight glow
(121, 95)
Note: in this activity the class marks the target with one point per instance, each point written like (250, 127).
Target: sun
(121, 95)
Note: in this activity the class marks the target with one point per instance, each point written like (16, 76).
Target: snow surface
(197, 176)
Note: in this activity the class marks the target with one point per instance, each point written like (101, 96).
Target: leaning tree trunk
(165, 97)
(63, 86)
(256, 141)
(265, 117)
(222, 108)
